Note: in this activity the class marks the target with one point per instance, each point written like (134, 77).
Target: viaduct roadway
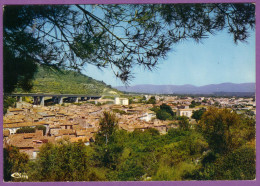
(38, 98)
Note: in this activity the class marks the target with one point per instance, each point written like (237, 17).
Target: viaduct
(38, 99)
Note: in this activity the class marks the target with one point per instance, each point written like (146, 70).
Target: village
(80, 121)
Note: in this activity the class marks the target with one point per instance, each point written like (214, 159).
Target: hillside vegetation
(49, 80)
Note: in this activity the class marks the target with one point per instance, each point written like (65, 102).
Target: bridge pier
(19, 98)
(60, 100)
(35, 100)
(42, 100)
(74, 99)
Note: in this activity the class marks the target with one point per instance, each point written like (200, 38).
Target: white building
(121, 101)
(148, 116)
(185, 112)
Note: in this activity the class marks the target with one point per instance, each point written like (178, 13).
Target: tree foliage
(164, 112)
(41, 127)
(184, 123)
(14, 161)
(197, 114)
(239, 164)
(66, 82)
(225, 130)
(140, 156)
(222, 149)
(115, 36)
(194, 104)
(163, 115)
(64, 162)
(152, 100)
(167, 108)
(26, 130)
(8, 102)
(108, 125)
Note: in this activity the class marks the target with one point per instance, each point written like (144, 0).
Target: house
(85, 140)
(14, 111)
(66, 126)
(134, 110)
(141, 127)
(54, 130)
(148, 116)
(161, 128)
(13, 127)
(185, 112)
(29, 143)
(121, 101)
(174, 125)
(67, 132)
(92, 130)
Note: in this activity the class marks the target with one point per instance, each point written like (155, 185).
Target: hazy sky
(216, 60)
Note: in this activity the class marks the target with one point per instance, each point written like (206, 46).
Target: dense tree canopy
(164, 112)
(14, 161)
(64, 161)
(197, 114)
(225, 130)
(115, 36)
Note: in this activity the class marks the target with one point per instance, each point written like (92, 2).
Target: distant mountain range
(190, 89)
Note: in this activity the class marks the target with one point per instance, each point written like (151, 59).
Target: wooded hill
(49, 80)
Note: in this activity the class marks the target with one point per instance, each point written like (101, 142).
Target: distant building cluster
(81, 122)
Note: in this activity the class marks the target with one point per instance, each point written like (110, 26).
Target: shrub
(41, 127)
(25, 130)
(8, 102)
(152, 100)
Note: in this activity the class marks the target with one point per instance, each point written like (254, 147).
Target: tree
(25, 130)
(194, 104)
(163, 115)
(221, 129)
(184, 123)
(108, 125)
(14, 161)
(167, 108)
(248, 128)
(238, 165)
(249, 113)
(41, 127)
(197, 114)
(8, 102)
(152, 100)
(63, 161)
(216, 104)
(115, 36)
(163, 112)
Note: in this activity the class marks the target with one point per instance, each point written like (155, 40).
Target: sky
(216, 60)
